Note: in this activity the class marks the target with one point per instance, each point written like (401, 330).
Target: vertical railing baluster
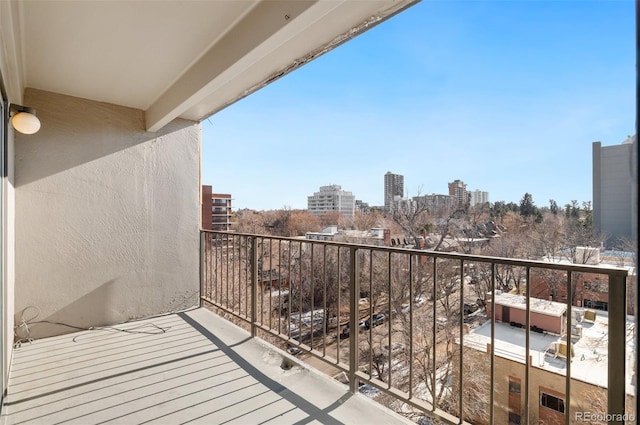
(261, 281)
(227, 259)
(312, 291)
(617, 328)
(389, 325)
(339, 278)
(290, 297)
(237, 252)
(300, 296)
(434, 335)
(527, 346)
(354, 297)
(371, 315)
(202, 268)
(461, 345)
(216, 282)
(280, 286)
(254, 285)
(248, 277)
(233, 273)
(270, 283)
(567, 381)
(324, 298)
(493, 343)
(411, 304)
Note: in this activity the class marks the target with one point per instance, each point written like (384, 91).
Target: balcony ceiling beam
(236, 50)
(271, 40)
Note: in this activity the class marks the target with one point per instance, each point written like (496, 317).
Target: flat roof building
(548, 355)
(332, 198)
(216, 210)
(615, 174)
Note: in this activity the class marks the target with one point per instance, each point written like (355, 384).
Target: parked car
(396, 347)
(345, 331)
(376, 319)
(293, 350)
(470, 308)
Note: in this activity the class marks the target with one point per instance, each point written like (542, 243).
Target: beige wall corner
(106, 215)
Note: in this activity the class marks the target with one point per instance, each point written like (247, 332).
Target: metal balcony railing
(407, 324)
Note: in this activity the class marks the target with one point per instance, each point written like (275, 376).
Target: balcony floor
(202, 369)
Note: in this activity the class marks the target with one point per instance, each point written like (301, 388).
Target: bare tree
(366, 221)
(548, 236)
(250, 221)
(413, 220)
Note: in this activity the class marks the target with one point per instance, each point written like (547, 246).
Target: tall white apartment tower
(332, 198)
(478, 197)
(393, 186)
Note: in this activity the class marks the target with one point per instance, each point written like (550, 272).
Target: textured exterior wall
(107, 215)
(9, 256)
(614, 174)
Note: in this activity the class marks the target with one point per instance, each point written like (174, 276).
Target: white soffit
(184, 59)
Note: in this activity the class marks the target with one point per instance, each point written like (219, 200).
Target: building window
(514, 385)
(514, 418)
(552, 402)
(598, 305)
(515, 401)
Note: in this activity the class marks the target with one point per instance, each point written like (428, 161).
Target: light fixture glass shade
(25, 123)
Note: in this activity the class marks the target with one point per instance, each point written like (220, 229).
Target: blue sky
(506, 96)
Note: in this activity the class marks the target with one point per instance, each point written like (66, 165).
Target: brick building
(216, 210)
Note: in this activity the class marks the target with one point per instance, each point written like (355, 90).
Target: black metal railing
(409, 323)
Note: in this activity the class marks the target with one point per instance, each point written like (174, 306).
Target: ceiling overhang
(172, 59)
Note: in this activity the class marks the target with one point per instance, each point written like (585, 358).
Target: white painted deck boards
(203, 369)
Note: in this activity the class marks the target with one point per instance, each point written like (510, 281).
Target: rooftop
(590, 350)
(550, 308)
(187, 367)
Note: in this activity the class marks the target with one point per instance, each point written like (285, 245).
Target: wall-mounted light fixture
(24, 120)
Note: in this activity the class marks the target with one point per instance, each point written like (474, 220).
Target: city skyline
(435, 94)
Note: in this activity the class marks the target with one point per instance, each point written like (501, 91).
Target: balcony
(449, 354)
(100, 212)
(345, 309)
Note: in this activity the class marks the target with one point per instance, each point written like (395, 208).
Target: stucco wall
(107, 215)
(9, 257)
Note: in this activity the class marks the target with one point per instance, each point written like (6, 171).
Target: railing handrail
(575, 267)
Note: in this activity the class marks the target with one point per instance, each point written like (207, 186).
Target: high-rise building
(216, 210)
(393, 187)
(332, 198)
(458, 189)
(478, 197)
(362, 206)
(615, 174)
